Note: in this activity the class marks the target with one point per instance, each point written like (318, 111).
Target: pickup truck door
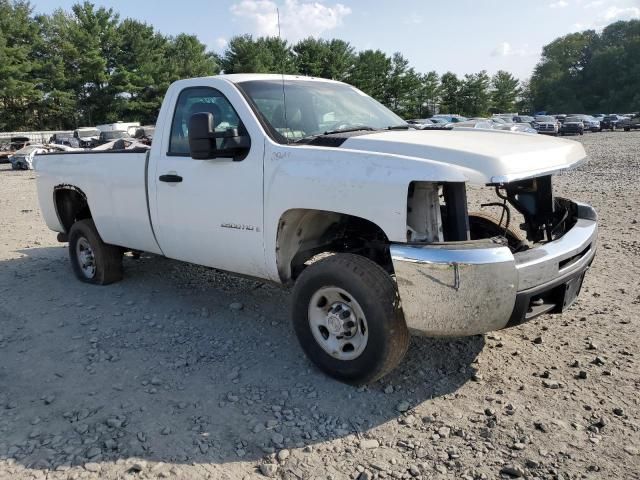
(208, 212)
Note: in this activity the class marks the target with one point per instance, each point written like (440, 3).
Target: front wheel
(347, 318)
(93, 261)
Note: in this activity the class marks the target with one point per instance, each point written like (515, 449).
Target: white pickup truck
(310, 183)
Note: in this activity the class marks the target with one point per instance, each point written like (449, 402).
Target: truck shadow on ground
(179, 364)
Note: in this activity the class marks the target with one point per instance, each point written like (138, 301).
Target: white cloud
(505, 49)
(559, 4)
(610, 15)
(613, 14)
(298, 19)
(594, 4)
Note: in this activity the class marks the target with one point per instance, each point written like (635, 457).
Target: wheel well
(303, 234)
(71, 205)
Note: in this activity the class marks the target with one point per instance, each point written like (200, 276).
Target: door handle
(170, 178)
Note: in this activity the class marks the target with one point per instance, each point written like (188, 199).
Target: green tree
(188, 57)
(262, 55)
(141, 75)
(428, 94)
(331, 59)
(475, 94)
(371, 71)
(558, 80)
(450, 87)
(402, 87)
(57, 73)
(504, 92)
(19, 96)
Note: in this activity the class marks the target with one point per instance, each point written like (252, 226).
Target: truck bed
(115, 184)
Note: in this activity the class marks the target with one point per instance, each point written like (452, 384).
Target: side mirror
(202, 142)
(203, 139)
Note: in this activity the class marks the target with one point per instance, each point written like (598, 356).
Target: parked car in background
(439, 121)
(572, 126)
(145, 134)
(599, 116)
(483, 123)
(504, 124)
(560, 117)
(87, 136)
(23, 158)
(64, 139)
(450, 118)
(119, 126)
(110, 135)
(631, 123)
(524, 119)
(10, 146)
(591, 124)
(610, 122)
(420, 123)
(546, 124)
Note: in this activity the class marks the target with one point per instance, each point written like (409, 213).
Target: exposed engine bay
(519, 214)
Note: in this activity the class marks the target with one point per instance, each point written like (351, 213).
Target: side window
(196, 100)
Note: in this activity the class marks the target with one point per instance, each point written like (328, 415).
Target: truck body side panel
(114, 184)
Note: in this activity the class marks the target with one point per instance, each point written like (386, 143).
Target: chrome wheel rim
(338, 323)
(86, 260)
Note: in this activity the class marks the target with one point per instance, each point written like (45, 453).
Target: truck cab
(312, 184)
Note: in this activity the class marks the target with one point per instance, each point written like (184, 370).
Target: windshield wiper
(347, 130)
(332, 132)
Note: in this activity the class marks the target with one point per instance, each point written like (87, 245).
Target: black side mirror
(202, 142)
(203, 139)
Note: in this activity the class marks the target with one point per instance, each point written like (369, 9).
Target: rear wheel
(347, 317)
(93, 261)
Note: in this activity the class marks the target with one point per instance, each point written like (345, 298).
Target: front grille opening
(571, 260)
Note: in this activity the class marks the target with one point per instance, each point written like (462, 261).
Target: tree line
(88, 66)
(590, 72)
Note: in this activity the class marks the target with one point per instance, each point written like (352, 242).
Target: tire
(366, 288)
(627, 129)
(487, 224)
(104, 263)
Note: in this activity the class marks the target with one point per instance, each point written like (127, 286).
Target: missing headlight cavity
(424, 222)
(437, 212)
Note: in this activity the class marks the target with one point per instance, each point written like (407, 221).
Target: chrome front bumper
(468, 288)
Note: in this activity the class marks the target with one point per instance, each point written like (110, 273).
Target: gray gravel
(184, 372)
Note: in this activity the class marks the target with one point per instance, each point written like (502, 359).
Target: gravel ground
(184, 372)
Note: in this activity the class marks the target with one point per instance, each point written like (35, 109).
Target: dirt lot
(183, 372)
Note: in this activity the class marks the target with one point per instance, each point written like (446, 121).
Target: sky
(462, 36)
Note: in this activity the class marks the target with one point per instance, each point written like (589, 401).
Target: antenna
(284, 95)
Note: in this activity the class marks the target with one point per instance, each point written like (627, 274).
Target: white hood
(486, 156)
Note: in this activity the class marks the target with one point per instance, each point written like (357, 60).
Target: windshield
(88, 133)
(315, 108)
(573, 119)
(114, 134)
(545, 118)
